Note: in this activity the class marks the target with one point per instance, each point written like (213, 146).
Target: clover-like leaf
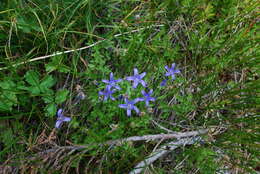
(61, 96)
(48, 82)
(32, 78)
(51, 109)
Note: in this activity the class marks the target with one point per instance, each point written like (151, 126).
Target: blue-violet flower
(112, 82)
(171, 71)
(147, 97)
(61, 118)
(107, 93)
(130, 106)
(137, 78)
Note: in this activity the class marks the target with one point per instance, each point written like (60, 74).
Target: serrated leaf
(7, 100)
(7, 84)
(63, 68)
(48, 99)
(48, 81)
(50, 67)
(32, 78)
(61, 96)
(51, 109)
(56, 64)
(34, 90)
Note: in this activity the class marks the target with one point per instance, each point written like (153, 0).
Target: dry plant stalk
(162, 151)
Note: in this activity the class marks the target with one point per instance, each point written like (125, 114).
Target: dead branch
(158, 137)
(165, 149)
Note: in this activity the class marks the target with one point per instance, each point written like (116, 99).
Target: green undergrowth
(213, 43)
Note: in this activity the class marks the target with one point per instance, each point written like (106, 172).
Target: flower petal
(167, 68)
(152, 99)
(122, 105)
(117, 87)
(167, 74)
(58, 124)
(118, 80)
(135, 71)
(173, 77)
(105, 81)
(130, 78)
(112, 98)
(177, 71)
(150, 92)
(143, 83)
(135, 84)
(59, 112)
(142, 75)
(128, 112)
(136, 109)
(173, 66)
(147, 103)
(66, 119)
(111, 76)
(137, 100)
(100, 93)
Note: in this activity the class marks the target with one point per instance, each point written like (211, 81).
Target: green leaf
(7, 84)
(8, 96)
(61, 96)
(51, 109)
(32, 78)
(7, 100)
(48, 98)
(34, 90)
(48, 81)
(56, 64)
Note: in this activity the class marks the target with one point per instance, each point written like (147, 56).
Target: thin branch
(158, 137)
(165, 149)
(78, 49)
(123, 140)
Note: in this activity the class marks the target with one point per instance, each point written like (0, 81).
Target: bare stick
(165, 149)
(134, 138)
(158, 137)
(78, 49)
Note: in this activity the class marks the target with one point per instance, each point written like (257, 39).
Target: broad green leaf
(34, 90)
(56, 64)
(48, 99)
(50, 67)
(7, 100)
(51, 109)
(48, 81)
(61, 96)
(32, 78)
(7, 84)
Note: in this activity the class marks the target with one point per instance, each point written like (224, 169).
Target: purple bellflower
(107, 93)
(137, 78)
(163, 83)
(129, 106)
(61, 118)
(171, 71)
(112, 82)
(147, 97)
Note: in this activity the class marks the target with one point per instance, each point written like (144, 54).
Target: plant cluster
(54, 55)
